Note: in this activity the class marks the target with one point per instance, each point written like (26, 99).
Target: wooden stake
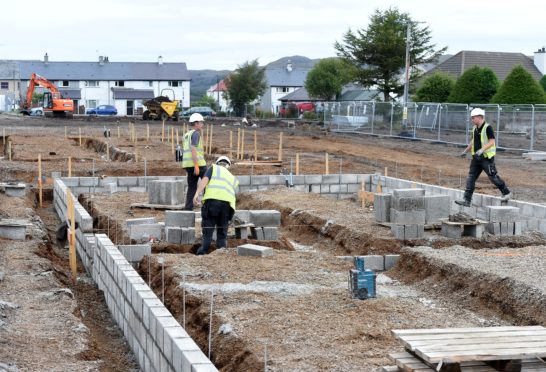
(386, 172)
(280, 147)
(172, 142)
(72, 246)
(210, 140)
(4, 135)
(118, 132)
(107, 151)
(297, 163)
(177, 138)
(40, 194)
(243, 144)
(9, 150)
(255, 146)
(147, 132)
(379, 189)
(80, 133)
(136, 153)
(163, 131)
(206, 142)
(231, 144)
(238, 143)
(65, 136)
(326, 171)
(70, 166)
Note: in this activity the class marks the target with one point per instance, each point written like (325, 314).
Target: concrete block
(414, 231)
(259, 180)
(532, 224)
(416, 203)
(270, 233)
(180, 218)
(257, 233)
(265, 218)
(391, 260)
(243, 215)
(436, 207)
(475, 231)
(173, 235)
(315, 189)
(138, 232)
(166, 192)
(313, 179)
(89, 181)
(374, 262)
(140, 221)
(71, 181)
(503, 214)
(349, 178)
(254, 250)
(13, 229)
(324, 189)
(507, 228)
(135, 253)
(17, 191)
(407, 217)
(452, 231)
(493, 228)
(279, 179)
(127, 181)
(330, 178)
(203, 367)
(56, 175)
(242, 232)
(180, 347)
(243, 180)
(407, 193)
(517, 228)
(188, 235)
(382, 207)
(398, 231)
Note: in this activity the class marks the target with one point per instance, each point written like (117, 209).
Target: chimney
(160, 60)
(106, 60)
(540, 60)
(289, 66)
(46, 58)
(101, 60)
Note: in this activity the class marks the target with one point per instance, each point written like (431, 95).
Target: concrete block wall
(82, 217)
(156, 338)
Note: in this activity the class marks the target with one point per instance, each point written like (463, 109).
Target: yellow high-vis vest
(490, 152)
(222, 186)
(187, 161)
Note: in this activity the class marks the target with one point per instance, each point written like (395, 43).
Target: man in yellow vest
(218, 203)
(483, 158)
(193, 157)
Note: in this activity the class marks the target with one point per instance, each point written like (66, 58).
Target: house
(219, 93)
(9, 85)
(125, 85)
(282, 80)
(501, 63)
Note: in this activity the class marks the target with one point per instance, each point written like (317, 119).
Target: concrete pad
(13, 229)
(254, 250)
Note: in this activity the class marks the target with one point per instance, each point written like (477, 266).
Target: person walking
(483, 152)
(193, 157)
(218, 203)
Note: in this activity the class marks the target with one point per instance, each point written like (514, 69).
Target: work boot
(463, 202)
(506, 197)
(201, 251)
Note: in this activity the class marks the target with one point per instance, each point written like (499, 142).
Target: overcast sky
(222, 34)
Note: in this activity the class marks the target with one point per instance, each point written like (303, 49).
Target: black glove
(463, 154)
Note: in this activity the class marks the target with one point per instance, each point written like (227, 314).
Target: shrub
(518, 88)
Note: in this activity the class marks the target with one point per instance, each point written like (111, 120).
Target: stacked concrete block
(145, 232)
(382, 207)
(135, 253)
(82, 217)
(407, 213)
(13, 229)
(266, 223)
(503, 220)
(436, 208)
(166, 192)
(180, 227)
(15, 190)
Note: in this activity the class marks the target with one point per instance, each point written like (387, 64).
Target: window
(4, 85)
(91, 103)
(150, 83)
(174, 83)
(282, 89)
(64, 83)
(120, 83)
(92, 83)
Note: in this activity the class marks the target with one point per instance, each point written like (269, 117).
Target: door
(130, 107)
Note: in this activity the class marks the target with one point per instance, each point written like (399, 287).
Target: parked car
(102, 110)
(203, 110)
(296, 109)
(36, 111)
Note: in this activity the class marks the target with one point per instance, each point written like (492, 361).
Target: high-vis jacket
(490, 152)
(222, 186)
(187, 160)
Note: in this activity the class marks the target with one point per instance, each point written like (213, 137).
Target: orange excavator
(54, 103)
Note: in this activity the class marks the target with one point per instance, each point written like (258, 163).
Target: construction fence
(517, 127)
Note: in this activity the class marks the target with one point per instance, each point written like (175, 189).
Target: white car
(36, 111)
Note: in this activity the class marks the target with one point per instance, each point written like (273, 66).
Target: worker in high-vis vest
(483, 150)
(193, 157)
(218, 208)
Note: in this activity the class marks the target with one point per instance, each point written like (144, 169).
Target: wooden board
(275, 163)
(160, 207)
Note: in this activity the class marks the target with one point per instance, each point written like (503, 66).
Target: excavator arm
(35, 80)
(55, 102)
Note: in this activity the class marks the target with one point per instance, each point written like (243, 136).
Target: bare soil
(291, 311)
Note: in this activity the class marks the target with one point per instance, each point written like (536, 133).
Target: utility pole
(406, 83)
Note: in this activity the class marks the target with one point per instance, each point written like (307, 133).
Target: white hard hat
(224, 159)
(477, 111)
(196, 117)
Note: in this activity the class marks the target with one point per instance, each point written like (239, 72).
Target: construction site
(347, 253)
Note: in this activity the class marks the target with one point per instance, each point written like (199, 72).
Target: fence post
(532, 127)
(392, 116)
(373, 113)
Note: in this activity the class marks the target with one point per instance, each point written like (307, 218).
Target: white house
(218, 92)
(125, 85)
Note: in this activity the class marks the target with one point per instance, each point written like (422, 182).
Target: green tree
(519, 87)
(244, 85)
(379, 52)
(435, 88)
(327, 78)
(475, 85)
(542, 82)
(208, 101)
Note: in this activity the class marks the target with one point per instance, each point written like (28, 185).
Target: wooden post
(147, 132)
(72, 245)
(80, 133)
(163, 131)
(40, 192)
(169, 133)
(65, 136)
(280, 147)
(177, 138)
(326, 171)
(297, 163)
(70, 166)
(172, 141)
(231, 145)
(4, 135)
(206, 139)
(238, 142)
(242, 144)
(386, 172)
(255, 145)
(9, 150)
(136, 153)
(107, 151)
(118, 133)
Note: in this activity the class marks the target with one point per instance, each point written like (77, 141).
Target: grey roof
(130, 93)
(501, 63)
(71, 93)
(9, 70)
(106, 71)
(358, 95)
(281, 77)
(299, 95)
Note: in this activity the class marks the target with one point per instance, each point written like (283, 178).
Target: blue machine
(361, 281)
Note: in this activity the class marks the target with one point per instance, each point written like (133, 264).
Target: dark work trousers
(192, 185)
(215, 214)
(477, 165)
